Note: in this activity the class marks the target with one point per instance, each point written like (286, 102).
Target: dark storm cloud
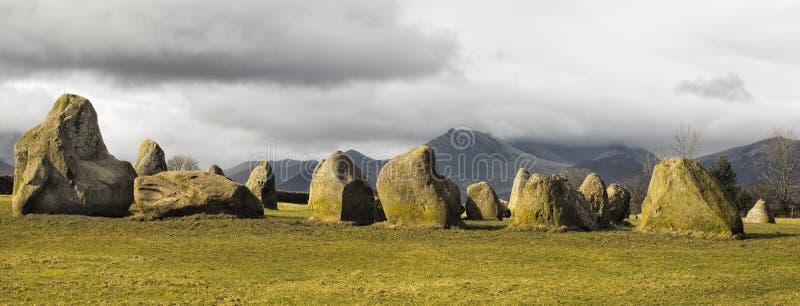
(729, 88)
(285, 41)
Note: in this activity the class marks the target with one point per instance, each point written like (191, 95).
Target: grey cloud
(729, 88)
(285, 41)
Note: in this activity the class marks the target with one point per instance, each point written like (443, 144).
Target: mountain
(6, 169)
(7, 142)
(469, 157)
(741, 159)
(617, 165)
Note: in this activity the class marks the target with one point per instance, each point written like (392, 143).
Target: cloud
(729, 88)
(303, 42)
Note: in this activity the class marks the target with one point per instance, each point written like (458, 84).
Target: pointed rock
(63, 166)
(150, 160)
(519, 183)
(262, 184)
(339, 192)
(760, 213)
(214, 169)
(414, 194)
(619, 204)
(594, 190)
(684, 198)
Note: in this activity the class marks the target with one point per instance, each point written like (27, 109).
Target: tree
(182, 162)
(726, 177)
(687, 142)
(777, 162)
(638, 184)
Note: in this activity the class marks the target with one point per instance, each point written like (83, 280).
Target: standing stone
(339, 192)
(684, 198)
(619, 204)
(183, 193)
(150, 160)
(760, 213)
(550, 203)
(63, 166)
(519, 183)
(214, 169)
(594, 190)
(414, 194)
(262, 184)
(482, 203)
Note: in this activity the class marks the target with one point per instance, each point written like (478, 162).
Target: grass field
(285, 259)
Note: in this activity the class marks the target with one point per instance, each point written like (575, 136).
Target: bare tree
(777, 162)
(687, 142)
(182, 162)
(637, 185)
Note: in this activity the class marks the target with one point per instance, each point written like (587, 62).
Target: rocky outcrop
(550, 203)
(760, 213)
(619, 204)
(63, 166)
(150, 160)
(262, 184)
(482, 203)
(414, 194)
(183, 193)
(214, 169)
(594, 190)
(684, 198)
(339, 192)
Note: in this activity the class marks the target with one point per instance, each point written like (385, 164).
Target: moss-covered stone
(760, 213)
(594, 190)
(262, 184)
(414, 194)
(550, 203)
(183, 193)
(684, 198)
(482, 203)
(519, 183)
(619, 204)
(214, 169)
(339, 191)
(150, 160)
(63, 166)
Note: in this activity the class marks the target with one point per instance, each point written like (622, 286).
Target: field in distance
(285, 259)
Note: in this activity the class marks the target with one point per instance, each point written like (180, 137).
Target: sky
(232, 81)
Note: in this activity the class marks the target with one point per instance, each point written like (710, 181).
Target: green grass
(286, 260)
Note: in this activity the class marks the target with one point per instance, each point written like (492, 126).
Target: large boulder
(684, 198)
(760, 213)
(150, 160)
(63, 166)
(619, 204)
(339, 192)
(516, 189)
(262, 184)
(550, 203)
(482, 203)
(183, 193)
(214, 169)
(414, 194)
(594, 190)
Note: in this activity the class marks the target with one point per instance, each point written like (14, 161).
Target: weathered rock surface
(760, 213)
(339, 192)
(550, 203)
(150, 160)
(594, 190)
(482, 203)
(414, 194)
(684, 198)
(214, 169)
(519, 183)
(63, 166)
(262, 184)
(619, 204)
(183, 193)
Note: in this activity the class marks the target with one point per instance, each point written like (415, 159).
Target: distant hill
(741, 159)
(7, 141)
(6, 169)
(618, 164)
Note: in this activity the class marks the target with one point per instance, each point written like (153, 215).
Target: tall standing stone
(519, 183)
(63, 166)
(339, 191)
(214, 169)
(619, 204)
(414, 194)
(482, 203)
(150, 160)
(594, 190)
(262, 184)
(684, 198)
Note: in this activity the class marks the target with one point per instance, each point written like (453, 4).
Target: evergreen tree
(724, 173)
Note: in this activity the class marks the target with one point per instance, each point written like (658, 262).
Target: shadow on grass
(482, 227)
(769, 235)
